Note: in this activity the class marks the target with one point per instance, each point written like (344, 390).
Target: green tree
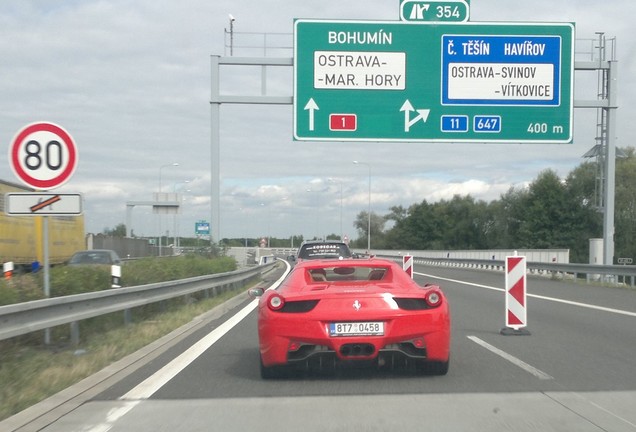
(397, 214)
(553, 217)
(549, 213)
(118, 231)
(461, 223)
(361, 224)
(543, 213)
(462, 220)
(581, 191)
(412, 229)
(625, 205)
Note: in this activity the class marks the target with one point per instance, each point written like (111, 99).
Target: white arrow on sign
(422, 114)
(311, 106)
(417, 13)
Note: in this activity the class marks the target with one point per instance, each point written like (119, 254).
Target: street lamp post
(291, 207)
(339, 181)
(317, 213)
(232, 19)
(175, 164)
(176, 215)
(369, 207)
(266, 207)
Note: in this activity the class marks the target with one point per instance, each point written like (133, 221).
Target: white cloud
(131, 82)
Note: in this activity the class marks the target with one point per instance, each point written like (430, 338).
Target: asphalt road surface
(576, 371)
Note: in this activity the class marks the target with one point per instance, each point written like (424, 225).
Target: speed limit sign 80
(43, 155)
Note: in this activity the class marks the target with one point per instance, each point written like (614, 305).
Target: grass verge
(30, 371)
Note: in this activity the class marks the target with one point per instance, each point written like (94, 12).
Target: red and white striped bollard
(516, 304)
(407, 265)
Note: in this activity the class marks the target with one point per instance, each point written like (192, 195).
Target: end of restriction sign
(42, 204)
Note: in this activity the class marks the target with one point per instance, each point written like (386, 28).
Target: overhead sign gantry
(447, 82)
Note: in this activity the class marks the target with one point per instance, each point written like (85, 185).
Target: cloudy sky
(130, 81)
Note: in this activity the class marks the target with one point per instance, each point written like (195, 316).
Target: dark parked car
(95, 256)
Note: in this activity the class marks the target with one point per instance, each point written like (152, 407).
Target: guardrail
(592, 272)
(22, 318)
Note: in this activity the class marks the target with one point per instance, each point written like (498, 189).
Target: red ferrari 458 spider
(352, 311)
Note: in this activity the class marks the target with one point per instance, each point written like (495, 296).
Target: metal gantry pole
(47, 277)
(215, 146)
(610, 165)
(606, 104)
(216, 100)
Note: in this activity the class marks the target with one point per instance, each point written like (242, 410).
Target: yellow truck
(21, 237)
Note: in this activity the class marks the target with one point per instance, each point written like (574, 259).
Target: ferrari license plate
(356, 329)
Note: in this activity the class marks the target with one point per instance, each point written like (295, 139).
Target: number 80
(52, 155)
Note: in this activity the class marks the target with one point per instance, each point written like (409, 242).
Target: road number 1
(343, 122)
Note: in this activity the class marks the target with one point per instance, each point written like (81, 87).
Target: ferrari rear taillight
(294, 346)
(433, 299)
(419, 343)
(276, 302)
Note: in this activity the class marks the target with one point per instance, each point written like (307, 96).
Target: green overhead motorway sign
(447, 82)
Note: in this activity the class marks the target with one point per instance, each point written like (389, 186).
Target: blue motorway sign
(501, 70)
(202, 228)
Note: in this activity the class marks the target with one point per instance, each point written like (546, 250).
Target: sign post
(43, 156)
(448, 82)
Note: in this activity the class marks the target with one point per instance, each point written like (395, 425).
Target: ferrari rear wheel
(434, 367)
(272, 372)
(440, 368)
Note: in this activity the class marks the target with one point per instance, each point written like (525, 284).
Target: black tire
(272, 372)
(439, 368)
(434, 367)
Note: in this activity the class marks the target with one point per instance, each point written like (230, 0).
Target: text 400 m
(543, 128)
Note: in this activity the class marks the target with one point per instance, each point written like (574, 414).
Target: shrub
(67, 280)
(21, 288)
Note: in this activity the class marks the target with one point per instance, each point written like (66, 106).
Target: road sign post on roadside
(43, 156)
(448, 82)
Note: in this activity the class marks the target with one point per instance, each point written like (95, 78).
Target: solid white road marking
(512, 359)
(111, 417)
(153, 383)
(509, 357)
